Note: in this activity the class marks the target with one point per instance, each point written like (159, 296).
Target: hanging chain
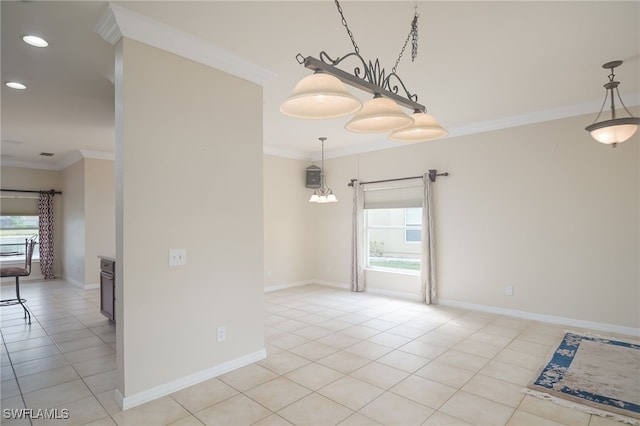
(413, 35)
(344, 23)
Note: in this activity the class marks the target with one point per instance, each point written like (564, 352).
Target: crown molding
(76, 156)
(118, 22)
(67, 161)
(98, 155)
(28, 165)
(107, 27)
(288, 153)
(631, 100)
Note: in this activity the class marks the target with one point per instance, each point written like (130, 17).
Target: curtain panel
(357, 239)
(45, 213)
(428, 252)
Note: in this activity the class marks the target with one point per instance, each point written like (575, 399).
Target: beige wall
(89, 217)
(542, 208)
(333, 225)
(36, 180)
(188, 176)
(73, 178)
(100, 215)
(289, 234)
(84, 214)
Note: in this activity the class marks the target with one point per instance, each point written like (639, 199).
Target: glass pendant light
(379, 115)
(320, 96)
(615, 130)
(611, 132)
(424, 128)
(324, 194)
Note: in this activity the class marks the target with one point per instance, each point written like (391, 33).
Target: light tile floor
(334, 357)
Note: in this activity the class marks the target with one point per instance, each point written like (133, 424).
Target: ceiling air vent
(47, 154)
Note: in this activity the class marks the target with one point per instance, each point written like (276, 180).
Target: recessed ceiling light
(35, 41)
(16, 85)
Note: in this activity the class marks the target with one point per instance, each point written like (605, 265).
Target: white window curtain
(357, 239)
(428, 260)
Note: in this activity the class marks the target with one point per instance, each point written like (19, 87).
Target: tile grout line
(46, 331)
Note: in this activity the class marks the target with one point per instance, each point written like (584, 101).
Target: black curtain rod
(432, 177)
(51, 191)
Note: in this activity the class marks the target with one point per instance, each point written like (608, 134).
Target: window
(13, 232)
(413, 225)
(392, 235)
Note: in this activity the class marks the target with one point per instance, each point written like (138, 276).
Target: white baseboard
(81, 285)
(611, 328)
(332, 284)
(284, 286)
(165, 389)
(373, 290)
(396, 294)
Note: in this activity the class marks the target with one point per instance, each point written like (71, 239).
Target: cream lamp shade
(424, 128)
(612, 132)
(320, 96)
(379, 115)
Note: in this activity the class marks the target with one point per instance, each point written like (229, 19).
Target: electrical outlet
(177, 257)
(221, 334)
(508, 290)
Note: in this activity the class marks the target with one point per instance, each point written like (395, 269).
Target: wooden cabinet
(108, 287)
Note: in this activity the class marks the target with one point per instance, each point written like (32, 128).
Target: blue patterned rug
(598, 375)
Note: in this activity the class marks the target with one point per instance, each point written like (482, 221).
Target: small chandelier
(324, 95)
(615, 130)
(324, 194)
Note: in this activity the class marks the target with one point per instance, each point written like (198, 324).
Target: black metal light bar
(360, 83)
(51, 191)
(432, 177)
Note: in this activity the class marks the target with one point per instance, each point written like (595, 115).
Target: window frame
(402, 228)
(19, 255)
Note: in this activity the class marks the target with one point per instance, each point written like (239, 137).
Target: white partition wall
(189, 176)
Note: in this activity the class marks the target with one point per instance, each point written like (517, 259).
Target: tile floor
(334, 357)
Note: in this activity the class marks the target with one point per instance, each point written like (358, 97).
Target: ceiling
(480, 66)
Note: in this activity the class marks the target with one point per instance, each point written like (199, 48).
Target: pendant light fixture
(615, 130)
(319, 96)
(324, 194)
(379, 115)
(424, 128)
